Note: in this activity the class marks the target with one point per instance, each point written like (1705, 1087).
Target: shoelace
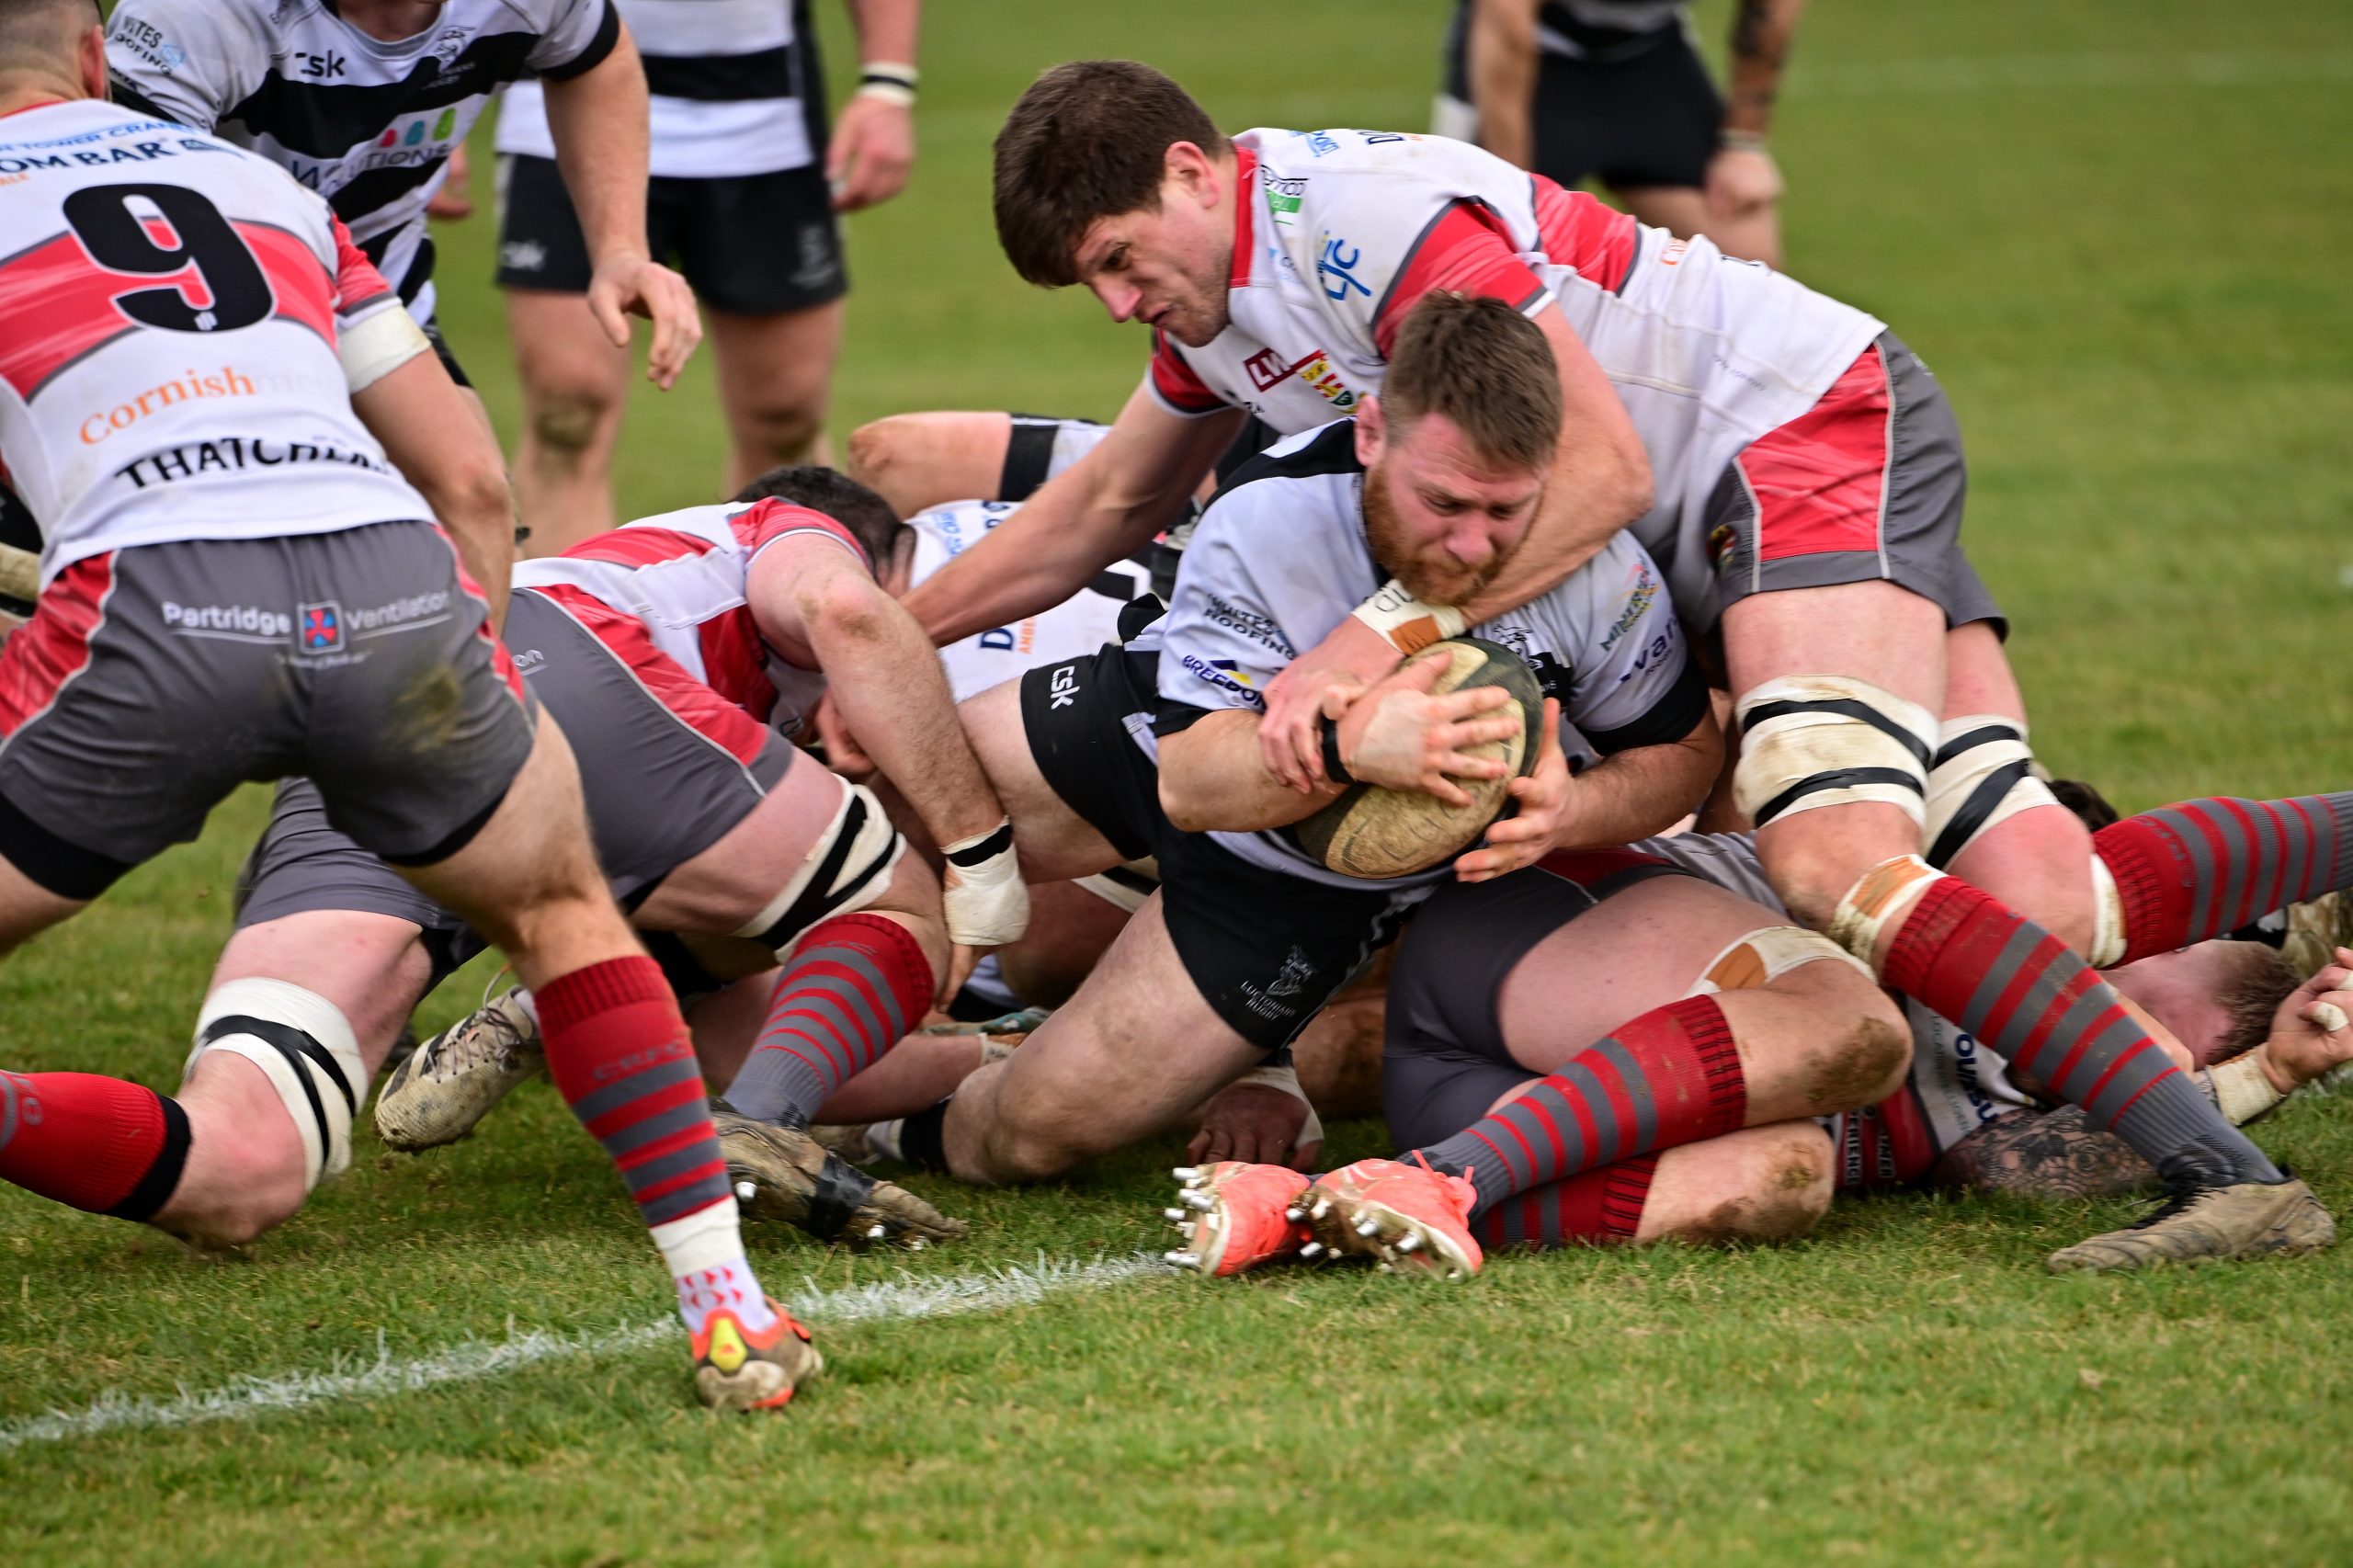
(485, 1037)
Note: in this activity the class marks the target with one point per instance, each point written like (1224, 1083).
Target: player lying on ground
(242, 588)
(1563, 1073)
(1793, 465)
(712, 829)
(1249, 934)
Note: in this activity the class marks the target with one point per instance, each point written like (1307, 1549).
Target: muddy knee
(1767, 1184)
(566, 424)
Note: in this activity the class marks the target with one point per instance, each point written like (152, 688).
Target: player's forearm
(886, 681)
(1761, 33)
(598, 120)
(1502, 66)
(1643, 793)
(1034, 559)
(1213, 780)
(886, 30)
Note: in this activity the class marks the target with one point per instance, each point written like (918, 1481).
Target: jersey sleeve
(1635, 684)
(1467, 250)
(359, 290)
(1175, 384)
(191, 61)
(575, 38)
(1223, 641)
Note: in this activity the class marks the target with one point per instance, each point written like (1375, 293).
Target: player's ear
(90, 58)
(1372, 430)
(1189, 169)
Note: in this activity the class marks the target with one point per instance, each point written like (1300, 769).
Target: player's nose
(1120, 301)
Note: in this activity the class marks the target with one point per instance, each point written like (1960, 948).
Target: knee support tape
(1765, 955)
(847, 868)
(1812, 741)
(305, 1045)
(1982, 775)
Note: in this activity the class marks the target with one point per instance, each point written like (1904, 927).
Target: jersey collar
(1245, 197)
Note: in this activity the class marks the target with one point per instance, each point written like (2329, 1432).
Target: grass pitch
(2117, 232)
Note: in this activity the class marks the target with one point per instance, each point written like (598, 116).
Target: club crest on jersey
(319, 627)
(1268, 371)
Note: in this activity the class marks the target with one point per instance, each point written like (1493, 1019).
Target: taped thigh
(305, 1047)
(1766, 954)
(847, 868)
(1983, 775)
(1812, 741)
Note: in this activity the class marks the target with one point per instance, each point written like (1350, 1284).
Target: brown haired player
(1794, 469)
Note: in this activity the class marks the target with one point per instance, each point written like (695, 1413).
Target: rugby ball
(1375, 832)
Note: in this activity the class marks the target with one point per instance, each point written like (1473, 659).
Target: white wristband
(2243, 1090)
(986, 904)
(1408, 624)
(889, 92)
(1286, 1078)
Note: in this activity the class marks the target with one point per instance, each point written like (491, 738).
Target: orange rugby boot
(1235, 1215)
(1407, 1218)
(738, 1369)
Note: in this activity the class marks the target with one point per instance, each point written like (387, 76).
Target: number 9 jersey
(169, 310)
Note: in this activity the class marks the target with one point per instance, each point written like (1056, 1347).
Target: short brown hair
(2251, 996)
(1088, 141)
(1485, 367)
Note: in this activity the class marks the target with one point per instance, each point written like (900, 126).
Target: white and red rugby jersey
(1338, 233)
(169, 306)
(677, 582)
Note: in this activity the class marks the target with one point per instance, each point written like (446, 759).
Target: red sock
(620, 1054)
(1599, 1208)
(854, 986)
(98, 1145)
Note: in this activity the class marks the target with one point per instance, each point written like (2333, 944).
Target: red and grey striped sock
(1596, 1209)
(2187, 872)
(619, 1053)
(1671, 1077)
(2005, 980)
(854, 986)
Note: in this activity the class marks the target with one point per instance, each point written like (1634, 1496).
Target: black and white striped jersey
(736, 88)
(367, 124)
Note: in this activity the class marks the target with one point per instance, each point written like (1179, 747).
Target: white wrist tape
(2241, 1090)
(375, 346)
(1982, 776)
(1813, 741)
(1765, 955)
(1286, 1078)
(1407, 623)
(889, 92)
(305, 1047)
(1879, 898)
(986, 904)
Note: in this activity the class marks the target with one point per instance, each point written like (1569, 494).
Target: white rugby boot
(451, 1080)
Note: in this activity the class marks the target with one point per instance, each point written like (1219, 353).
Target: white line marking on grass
(476, 1359)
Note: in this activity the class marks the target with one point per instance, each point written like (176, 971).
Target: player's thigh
(776, 369)
(575, 380)
(1136, 1047)
(1056, 841)
(1762, 1184)
(1679, 209)
(716, 891)
(1640, 947)
(1070, 929)
(370, 968)
(919, 460)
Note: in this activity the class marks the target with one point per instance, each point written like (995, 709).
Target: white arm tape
(1408, 624)
(986, 904)
(1286, 1078)
(1879, 898)
(2242, 1091)
(2108, 916)
(376, 345)
(321, 1113)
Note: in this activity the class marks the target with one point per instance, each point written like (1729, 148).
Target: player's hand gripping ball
(1375, 832)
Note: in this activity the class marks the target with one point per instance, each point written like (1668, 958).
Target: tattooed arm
(2043, 1154)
